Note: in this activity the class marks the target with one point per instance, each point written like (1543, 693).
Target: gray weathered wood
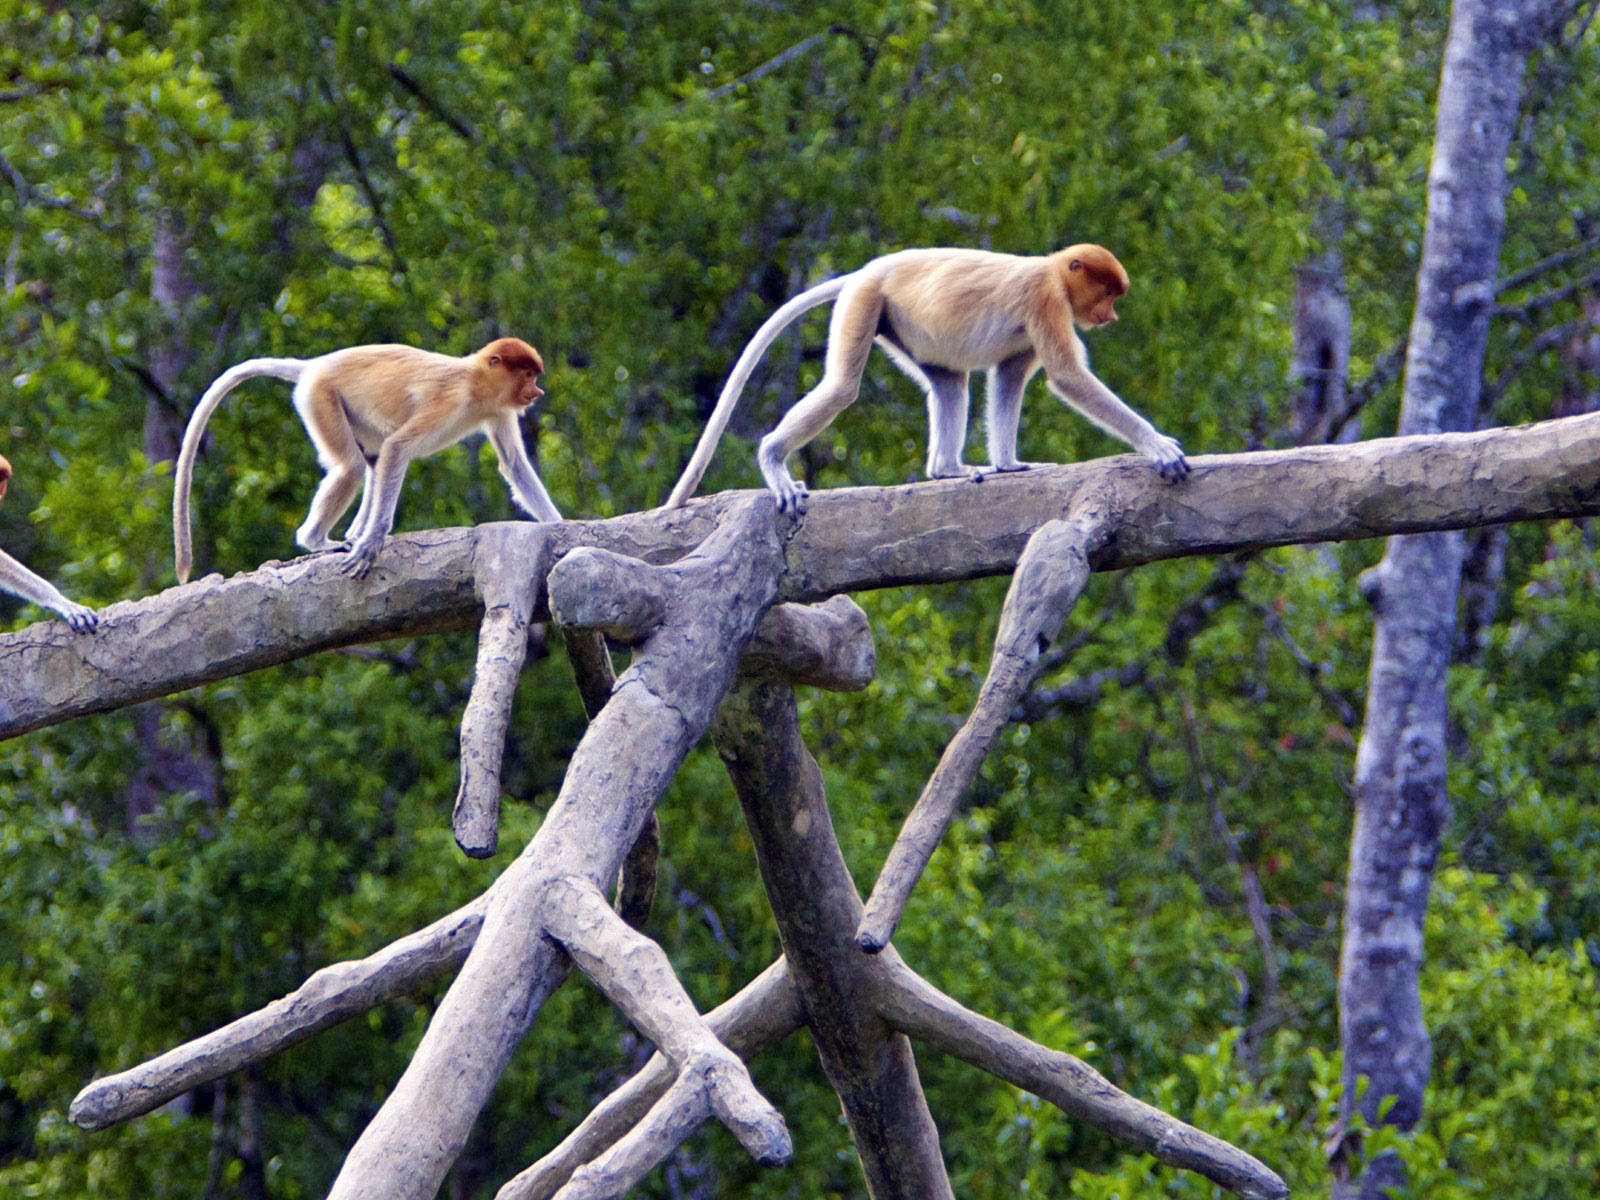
(334, 994)
(916, 1008)
(853, 539)
(872, 1068)
(509, 570)
(659, 708)
(635, 975)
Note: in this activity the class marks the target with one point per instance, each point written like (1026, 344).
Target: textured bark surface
(1399, 788)
(814, 900)
(334, 994)
(853, 539)
(659, 708)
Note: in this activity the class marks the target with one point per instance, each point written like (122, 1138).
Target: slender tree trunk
(172, 757)
(1321, 357)
(1400, 799)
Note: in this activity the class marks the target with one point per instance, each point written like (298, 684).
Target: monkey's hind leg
(340, 455)
(1008, 380)
(947, 421)
(850, 334)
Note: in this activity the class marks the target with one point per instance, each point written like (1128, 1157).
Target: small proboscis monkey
(370, 410)
(18, 580)
(941, 314)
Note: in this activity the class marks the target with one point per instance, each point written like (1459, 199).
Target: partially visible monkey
(370, 410)
(941, 314)
(17, 579)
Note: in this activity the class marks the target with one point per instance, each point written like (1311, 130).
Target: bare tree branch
(1050, 577)
(1544, 266)
(334, 994)
(765, 1012)
(854, 539)
(804, 46)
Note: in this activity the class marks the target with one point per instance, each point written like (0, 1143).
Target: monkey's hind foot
(360, 561)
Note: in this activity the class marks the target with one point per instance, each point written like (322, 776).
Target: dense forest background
(1150, 873)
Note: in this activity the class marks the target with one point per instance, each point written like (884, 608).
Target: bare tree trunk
(1400, 798)
(171, 758)
(870, 1065)
(1320, 364)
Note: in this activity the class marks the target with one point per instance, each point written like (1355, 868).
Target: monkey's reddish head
(1095, 281)
(521, 361)
(5, 476)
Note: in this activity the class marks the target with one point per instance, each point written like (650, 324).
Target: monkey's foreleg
(1100, 404)
(19, 581)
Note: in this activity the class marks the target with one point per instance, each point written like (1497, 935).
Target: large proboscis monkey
(941, 314)
(18, 580)
(370, 410)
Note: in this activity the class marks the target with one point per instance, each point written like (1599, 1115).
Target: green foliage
(634, 187)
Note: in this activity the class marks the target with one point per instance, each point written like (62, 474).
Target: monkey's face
(1095, 281)
(528, 389)
(522, 367)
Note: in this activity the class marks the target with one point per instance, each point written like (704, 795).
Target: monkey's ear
(1075, 265)
(494, 360)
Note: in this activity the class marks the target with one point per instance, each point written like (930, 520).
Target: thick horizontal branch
(853, 539)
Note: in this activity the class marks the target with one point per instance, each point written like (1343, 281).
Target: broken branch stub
(508, 570)
(1050, 577)
(619, 596)
(827, 646)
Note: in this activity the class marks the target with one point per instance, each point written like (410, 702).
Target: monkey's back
(959, 308)
(388, 383)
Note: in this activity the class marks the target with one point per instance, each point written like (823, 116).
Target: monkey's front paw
(1168, 457)
(82, 620)
(791, 496)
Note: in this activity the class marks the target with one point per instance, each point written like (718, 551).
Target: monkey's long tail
(742, 370)
(277, 368)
